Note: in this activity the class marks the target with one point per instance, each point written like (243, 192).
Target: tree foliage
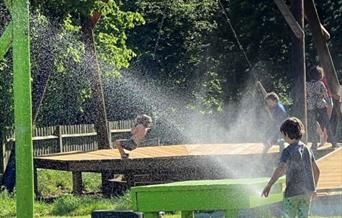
(186, 45)
(69, 84)
(192, 43)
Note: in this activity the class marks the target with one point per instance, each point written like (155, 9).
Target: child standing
(317, 106)
(302, 173)
(138, 134)
(278, 115)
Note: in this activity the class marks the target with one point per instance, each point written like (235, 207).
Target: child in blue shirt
(278, 115)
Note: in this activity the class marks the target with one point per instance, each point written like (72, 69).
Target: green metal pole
(22, 109)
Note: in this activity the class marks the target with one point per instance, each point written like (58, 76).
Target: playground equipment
(160, 164)
(307, 10)
(229, 195)
(17, 34)
(294, 14)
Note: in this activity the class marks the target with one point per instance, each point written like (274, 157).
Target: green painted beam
(229, 195)
(6, 40)
(22, 109)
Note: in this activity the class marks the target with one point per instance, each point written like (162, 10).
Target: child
(317, 106)
(298, 163)
(138, 134)
(278, 115)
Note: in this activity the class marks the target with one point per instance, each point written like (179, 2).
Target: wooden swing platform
(184, 162)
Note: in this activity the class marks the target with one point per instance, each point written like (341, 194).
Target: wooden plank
(105, 185)
(40, 138)
(186, 157)
(171, 150)
(216, 164)
(120, 130)
(60, 138)
(331, 173)
(262, 89)
(52, 164)
(299, 66)
(166, 151)
(75, 135)
(291, 21)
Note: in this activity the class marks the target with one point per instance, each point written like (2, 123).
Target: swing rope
(258, 83)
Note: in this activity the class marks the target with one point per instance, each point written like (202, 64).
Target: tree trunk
(93, 71)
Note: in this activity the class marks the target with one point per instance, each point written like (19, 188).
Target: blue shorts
(128, 144)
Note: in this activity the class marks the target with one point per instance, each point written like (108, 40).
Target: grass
(67, 205)
(67, 216)
(58, 184)
(179, 216)
(52, 183)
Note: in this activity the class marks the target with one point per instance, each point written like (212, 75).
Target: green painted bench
(228, 195)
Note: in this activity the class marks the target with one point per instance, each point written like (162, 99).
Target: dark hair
(273, 96)
(316, 73)
(293, 128)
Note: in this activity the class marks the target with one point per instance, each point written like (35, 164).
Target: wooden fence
(56, 139)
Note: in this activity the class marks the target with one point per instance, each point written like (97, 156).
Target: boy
(278, 115)
(138, 134)
(298, 163)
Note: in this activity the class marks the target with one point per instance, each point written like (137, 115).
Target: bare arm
(133, 130)
(280, 171)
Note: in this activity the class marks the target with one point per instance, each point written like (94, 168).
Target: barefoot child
(138, 134)
(298, 163)
(317, 107)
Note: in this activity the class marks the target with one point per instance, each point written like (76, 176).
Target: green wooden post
(22, 108)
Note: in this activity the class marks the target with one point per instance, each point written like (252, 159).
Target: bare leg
(325, 133)
(122, 152)
(320, 133)
(329, 111)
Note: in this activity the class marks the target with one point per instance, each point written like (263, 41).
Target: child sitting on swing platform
(139, 131)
